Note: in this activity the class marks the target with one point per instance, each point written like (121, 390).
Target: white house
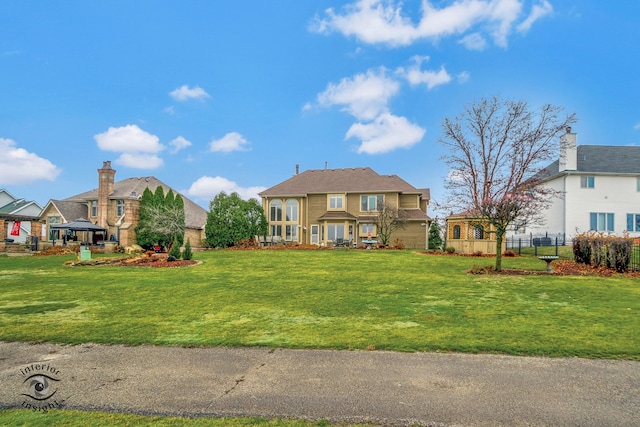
(598, 189)
(16, 216)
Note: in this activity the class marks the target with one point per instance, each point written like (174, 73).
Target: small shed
(470, 234)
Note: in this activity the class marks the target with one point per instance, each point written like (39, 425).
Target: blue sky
(213, 96)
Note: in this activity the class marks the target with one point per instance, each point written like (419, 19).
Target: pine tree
(435, 236)
(186, 253)
(174, 252)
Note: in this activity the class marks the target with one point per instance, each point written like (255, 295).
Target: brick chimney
(568, 151)
(106, 179)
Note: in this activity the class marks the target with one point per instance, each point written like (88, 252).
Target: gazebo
(84, 225)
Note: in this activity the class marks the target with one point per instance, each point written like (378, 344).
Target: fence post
(556, 246)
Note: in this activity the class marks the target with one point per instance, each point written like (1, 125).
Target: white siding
(570, 215)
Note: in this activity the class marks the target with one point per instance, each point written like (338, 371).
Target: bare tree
(496, 150)
(388, 219)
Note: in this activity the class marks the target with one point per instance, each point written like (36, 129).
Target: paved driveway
(384, 387)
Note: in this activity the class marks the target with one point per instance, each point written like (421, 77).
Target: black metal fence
(547, 240)
(635, 258)
(537, 240)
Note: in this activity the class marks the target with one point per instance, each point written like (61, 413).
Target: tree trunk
(499, 235)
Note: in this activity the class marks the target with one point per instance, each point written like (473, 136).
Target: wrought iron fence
(537, 240)
(634, 264)
(556, 240)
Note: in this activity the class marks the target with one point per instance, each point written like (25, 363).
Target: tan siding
(409, 201)
(413, 236)
(317, 207)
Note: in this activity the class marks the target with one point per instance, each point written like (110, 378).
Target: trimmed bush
(174, 252)
(450, 249)
(603, 251)
(187, 254)
(619, 255)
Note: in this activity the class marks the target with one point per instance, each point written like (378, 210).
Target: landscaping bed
(149, 259)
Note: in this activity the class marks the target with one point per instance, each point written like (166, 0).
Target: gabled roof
(69, 210)
(195, 216)
(348, 180)
(18, 207)
(601, 159)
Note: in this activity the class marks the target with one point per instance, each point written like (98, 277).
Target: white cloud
(140, 160)
(20, 167)
(129, 138)
(416, 76)
(184, 93)
(137, 146)
(232, 141)
(537, 12)
(383, 21)
(178, 144)
(463, 77)
(386, 133)
(206, 188)
(365, 96)
(637, 127)
(474, 41)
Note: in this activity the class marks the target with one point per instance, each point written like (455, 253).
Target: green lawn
(54, 418)
(349, 299)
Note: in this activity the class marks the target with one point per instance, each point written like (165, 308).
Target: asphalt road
(431, 389)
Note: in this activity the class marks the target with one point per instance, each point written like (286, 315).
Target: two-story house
(328, 205)
(116, 207)
(597, 189)
(19, 218)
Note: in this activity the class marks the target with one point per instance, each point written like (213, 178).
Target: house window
(587, 181)
(601, 221)
(276, 211)
(276, 230)
(335, 231)
(336, 201)
(456, 231)
(367, 229)
(633, 222)
(120, 207)
(478, 232)
(638, 183)
(371, 202)
(94, 208)
(292, 210)
(291, 233)
(54, 220)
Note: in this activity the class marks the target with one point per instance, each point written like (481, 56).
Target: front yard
(392, 300)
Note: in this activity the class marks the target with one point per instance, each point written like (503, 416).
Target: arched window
(276, 211)
(478, 232)
(456, 231)
(292, 210)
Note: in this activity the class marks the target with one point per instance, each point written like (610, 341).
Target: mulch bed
(560, 268)
(149, 260)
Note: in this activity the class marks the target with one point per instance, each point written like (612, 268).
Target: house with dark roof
(328, 206)
(598, 189)
(116, 207)
(18, 218)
